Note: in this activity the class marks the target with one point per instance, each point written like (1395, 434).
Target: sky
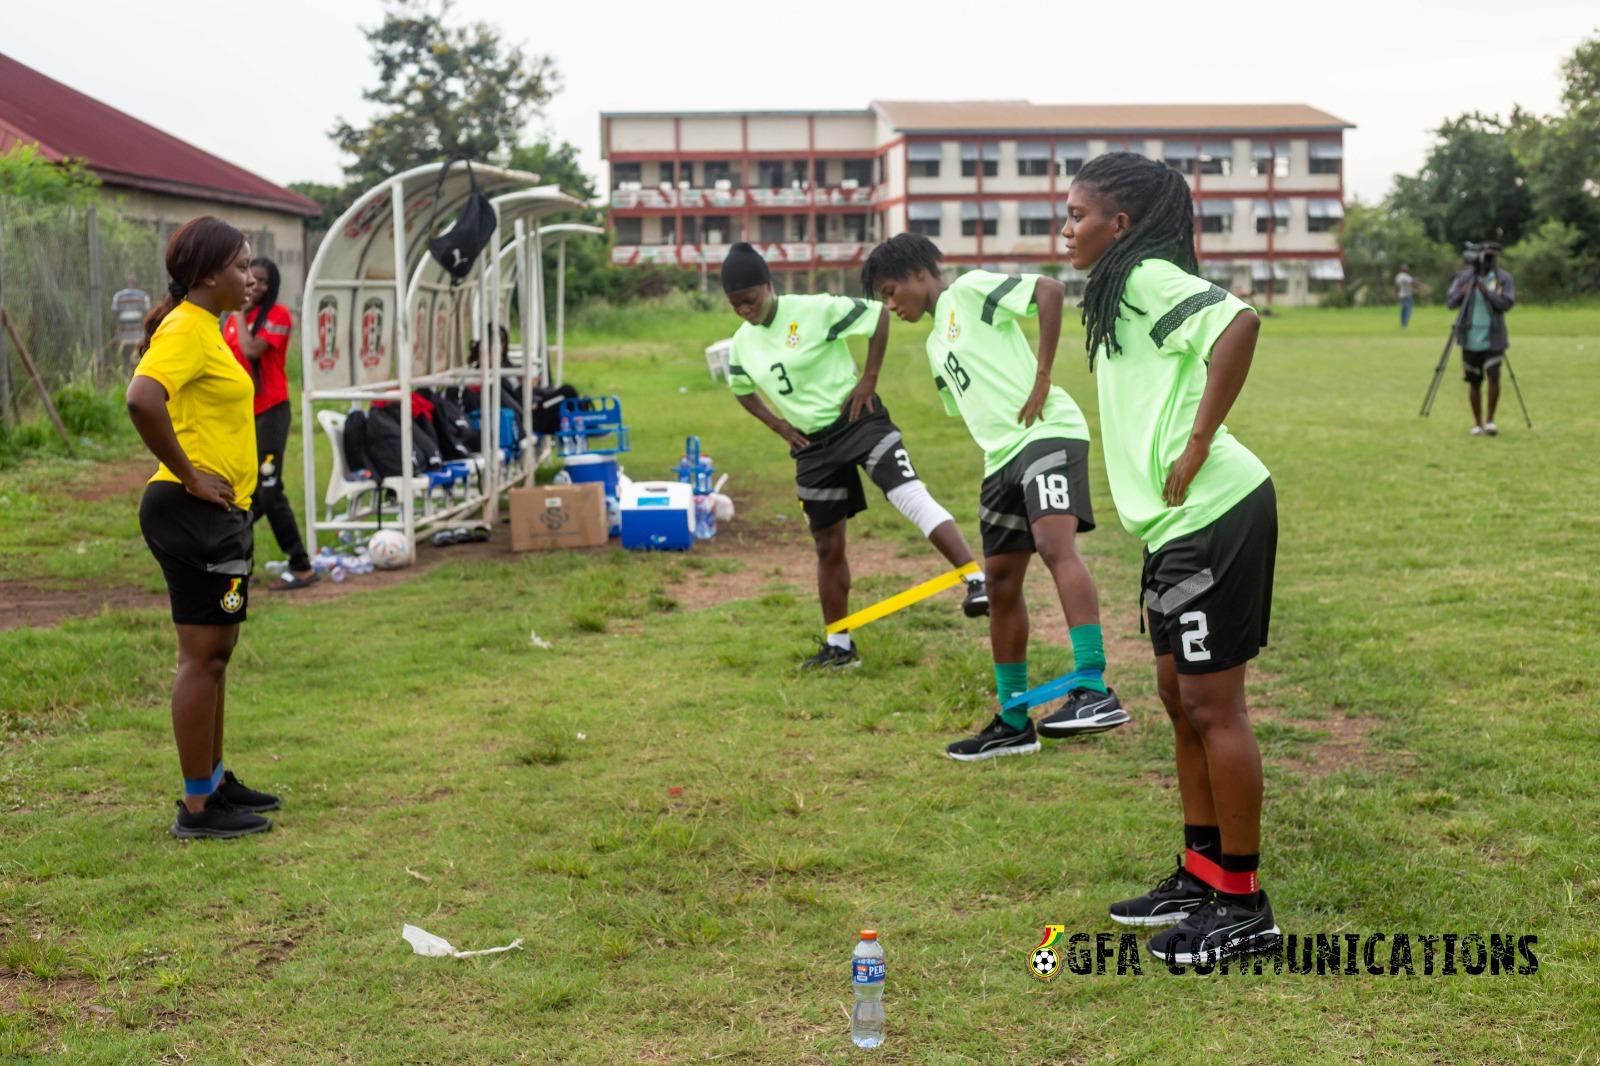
(285, 72)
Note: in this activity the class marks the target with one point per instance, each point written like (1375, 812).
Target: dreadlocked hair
(1157, 202)
(898, 258)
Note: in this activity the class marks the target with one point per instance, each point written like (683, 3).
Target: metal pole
(561, 312)
(5, 358)
(97, 315)
(408, 518)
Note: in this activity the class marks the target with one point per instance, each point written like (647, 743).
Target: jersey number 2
(783, 376)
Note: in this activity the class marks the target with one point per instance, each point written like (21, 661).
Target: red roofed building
(151, 176)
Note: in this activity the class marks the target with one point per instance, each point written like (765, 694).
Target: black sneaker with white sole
(997, 738)
(1170, 901)
(976, 605)
(243, 798)
(1218, 929)
(218, 818)
(833, 657)
(1084, 711)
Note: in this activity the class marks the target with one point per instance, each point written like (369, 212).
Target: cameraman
(1481, 327)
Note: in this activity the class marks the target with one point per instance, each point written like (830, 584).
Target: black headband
(178, 290)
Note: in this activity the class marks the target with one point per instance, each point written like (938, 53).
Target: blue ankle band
(198, 786)
(1049, 690)
(216, 776)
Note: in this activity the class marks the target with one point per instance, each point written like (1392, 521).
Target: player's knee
(1056, 550)
(915, 502)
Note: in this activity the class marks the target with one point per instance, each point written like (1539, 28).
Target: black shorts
(1476, 365)
(825, 474)
(1208, 595)
(1049, 476)
(205, 554)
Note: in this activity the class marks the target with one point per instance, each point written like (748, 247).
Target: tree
(28, 176)
(1561, 154)
(333, 200)
(1377, 240)
(1549, 264)
(443, 91)
(1472, 188)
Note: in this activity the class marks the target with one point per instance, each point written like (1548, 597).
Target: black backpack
(547, 407)
(450, 426)
(383, 444)
(355, 442)
(458, 247)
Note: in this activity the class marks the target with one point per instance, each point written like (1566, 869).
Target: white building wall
(641, 135)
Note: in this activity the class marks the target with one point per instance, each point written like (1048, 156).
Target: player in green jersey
(1170, 352)
(794, 349)
(1035, 494)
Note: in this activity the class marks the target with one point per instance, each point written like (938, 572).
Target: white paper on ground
(425, 943)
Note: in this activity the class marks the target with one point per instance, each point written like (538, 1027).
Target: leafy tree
(1377, 240)
(443, 90)
(332, 198)
(28, 176)
(1549, 262)
(1472, 188)
(1561, 154)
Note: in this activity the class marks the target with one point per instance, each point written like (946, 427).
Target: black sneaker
(1172, 900)
(997, 738)
(1217, 929)
(243, 798)
(976, 605)
(833, 657)
(1084, 711)
(219, 819)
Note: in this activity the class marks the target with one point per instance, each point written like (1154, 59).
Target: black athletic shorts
(205, 554)
(1049, 476)
(1475, 365)
(828, 483)
(1208, 595)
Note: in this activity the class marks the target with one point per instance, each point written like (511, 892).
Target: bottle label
(869, 971)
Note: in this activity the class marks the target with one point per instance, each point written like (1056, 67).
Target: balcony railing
(778, 254)
(734, 199)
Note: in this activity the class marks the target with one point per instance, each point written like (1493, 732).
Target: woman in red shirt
(259, 337)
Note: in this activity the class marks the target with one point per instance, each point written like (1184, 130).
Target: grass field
(688, 834)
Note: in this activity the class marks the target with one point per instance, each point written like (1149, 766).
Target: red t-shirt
(272, 384)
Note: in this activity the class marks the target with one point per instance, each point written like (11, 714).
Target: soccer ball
(1044, 963)
(389, 549)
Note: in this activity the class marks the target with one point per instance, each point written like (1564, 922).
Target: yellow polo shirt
(210, 398)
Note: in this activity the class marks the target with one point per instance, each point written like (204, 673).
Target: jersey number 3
(959, 376)
(783, 376)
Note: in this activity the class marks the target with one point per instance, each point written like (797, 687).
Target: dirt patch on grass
(124, 478)
(22, 604)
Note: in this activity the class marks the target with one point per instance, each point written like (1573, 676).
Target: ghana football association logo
(954, 331)
(1043, 961)
(793, 339)
(233, 599)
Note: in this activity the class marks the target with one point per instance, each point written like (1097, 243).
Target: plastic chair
(341, 487)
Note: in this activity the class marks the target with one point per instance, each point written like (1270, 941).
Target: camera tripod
(1462, 318)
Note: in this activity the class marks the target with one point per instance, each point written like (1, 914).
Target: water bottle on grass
(867, 974)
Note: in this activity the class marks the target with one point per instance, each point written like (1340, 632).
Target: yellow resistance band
(915, 594)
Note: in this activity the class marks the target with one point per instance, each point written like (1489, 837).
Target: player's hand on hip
(863, 399)
(212, 488)
(796, 439)
(1182, 473)
(1033, 409)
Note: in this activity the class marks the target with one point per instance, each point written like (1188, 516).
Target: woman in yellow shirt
(193, 405)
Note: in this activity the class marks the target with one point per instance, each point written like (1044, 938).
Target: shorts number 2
(1194, 640)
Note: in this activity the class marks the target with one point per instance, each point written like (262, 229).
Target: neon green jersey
(801, 361)
(1149, 396)
(985, 368)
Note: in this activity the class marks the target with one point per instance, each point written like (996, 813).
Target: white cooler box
(658, 515)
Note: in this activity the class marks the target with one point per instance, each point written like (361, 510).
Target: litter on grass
(534, 639)
(425, 943)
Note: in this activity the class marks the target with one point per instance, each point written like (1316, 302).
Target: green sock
(1011, 679)
(1089, 656)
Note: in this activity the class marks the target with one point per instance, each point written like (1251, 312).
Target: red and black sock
(1234, 876)
(1202, 850)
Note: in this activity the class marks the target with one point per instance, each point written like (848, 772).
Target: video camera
(1481, 257)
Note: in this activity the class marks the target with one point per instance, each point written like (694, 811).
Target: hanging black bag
(458, 247)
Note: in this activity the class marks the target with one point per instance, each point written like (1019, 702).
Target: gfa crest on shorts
(954, 331)
(1043, 962)
(233, 599)
(793, 339)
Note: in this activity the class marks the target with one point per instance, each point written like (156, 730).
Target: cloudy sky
(283, 71)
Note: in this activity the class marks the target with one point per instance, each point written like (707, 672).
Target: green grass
(688, 875)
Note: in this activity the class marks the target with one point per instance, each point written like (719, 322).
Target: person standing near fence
(1404, 283)
(130, 304)
(191, 404)
(259, 338)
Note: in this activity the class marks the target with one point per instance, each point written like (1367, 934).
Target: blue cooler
(658, 515)
(600, 469)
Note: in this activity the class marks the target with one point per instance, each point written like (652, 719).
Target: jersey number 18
(959, 376)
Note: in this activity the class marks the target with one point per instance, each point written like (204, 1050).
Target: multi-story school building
(987, 181)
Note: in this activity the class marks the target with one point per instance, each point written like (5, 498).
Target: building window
(924, 218)
(717, 229)
(1272, 217)
(668, 173)
(1261, 271)
(1268, 157)
(922, 159)
(970, 159)
(624, 174)
(1034, 219)
(1180, 155)
(1216, 157)
(1216, 216)
(628, 230)
(853, 227)
(669, 231)
(1325, 156)
(771, 228)
(721, 171)
(972, 214)
(1324, 275)
(1323, 216)
(1070, 157)
(1033, 159)
(858, 171)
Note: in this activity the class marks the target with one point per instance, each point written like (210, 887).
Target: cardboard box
(558, 516)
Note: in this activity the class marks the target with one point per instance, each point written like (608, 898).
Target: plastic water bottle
(867, 974)
(336, 574)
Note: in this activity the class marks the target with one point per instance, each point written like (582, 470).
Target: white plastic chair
(717, 357)
(341, 489)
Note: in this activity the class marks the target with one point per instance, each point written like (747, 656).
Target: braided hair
(1157, 202)
(268, 298)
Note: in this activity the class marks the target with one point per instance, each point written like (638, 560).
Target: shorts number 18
(1053, 495)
